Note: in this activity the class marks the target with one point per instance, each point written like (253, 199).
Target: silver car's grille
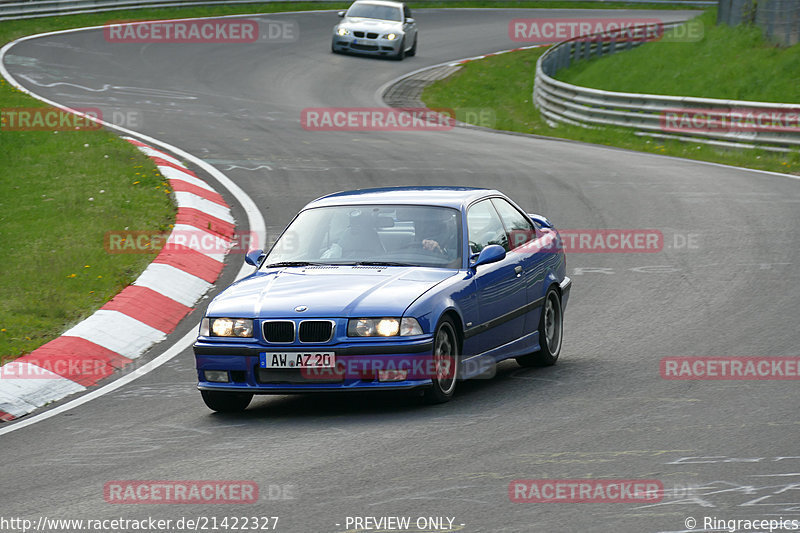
(316, 330)
(372, 36)
(366, 47)
(369, 35)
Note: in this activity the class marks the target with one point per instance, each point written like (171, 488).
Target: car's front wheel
(551, 330)
(413, 51)
(226, 402)
(445, 363)
(401, 54)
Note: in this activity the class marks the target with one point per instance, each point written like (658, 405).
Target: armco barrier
(583, 106)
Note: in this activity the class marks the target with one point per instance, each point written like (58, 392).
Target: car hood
(373, 25)
(327, 291)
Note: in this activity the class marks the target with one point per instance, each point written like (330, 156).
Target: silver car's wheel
(445, 363)
(401, 54)
(551, 331)
(413, 50)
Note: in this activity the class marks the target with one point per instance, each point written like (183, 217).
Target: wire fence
(780, 19)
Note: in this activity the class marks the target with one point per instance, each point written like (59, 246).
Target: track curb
(143, 313)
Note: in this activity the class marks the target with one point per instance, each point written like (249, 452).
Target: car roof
(379, 2)
(456, 197)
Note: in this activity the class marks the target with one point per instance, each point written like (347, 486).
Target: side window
(520, 231)
(485, 227)
(407, 12)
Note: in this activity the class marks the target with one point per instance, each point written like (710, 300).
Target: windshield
(372, 234)
(374, 11)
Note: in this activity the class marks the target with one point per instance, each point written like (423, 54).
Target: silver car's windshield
(371, 234)
(375, 11)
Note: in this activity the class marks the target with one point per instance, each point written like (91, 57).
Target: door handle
(518, 270)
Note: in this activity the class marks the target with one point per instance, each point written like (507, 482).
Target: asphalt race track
(723, 449)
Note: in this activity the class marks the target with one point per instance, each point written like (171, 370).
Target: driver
(437, 235)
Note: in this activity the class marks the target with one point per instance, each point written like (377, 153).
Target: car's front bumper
(375, 47)
(358, 365)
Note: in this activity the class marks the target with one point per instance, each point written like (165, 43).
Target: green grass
(55, 268)
(503, 84)
(733, 63)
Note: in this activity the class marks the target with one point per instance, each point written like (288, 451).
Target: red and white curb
(139, 316)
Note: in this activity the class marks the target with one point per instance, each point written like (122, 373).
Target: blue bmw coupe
(386, 289)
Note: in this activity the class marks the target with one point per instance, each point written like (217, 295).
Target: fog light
(216, 376)
(392, 375)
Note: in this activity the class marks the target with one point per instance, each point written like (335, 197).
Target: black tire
(445, 350)
(551, 333)
(226, 402)
(333, 48)
(402, 53)
(413, 51)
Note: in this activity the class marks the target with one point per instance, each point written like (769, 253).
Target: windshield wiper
(291, 264)
(383, 263)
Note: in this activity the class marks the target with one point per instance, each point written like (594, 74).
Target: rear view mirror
(340, 13)
(253, 257)
(491, 254)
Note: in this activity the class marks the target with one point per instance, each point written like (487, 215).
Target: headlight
(383, 327)
(342, 32)
(227, 327)
(390, 36)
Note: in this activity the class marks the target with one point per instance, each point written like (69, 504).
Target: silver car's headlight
(390, 36)
(227, 327)
(383, 327)
(342, 32)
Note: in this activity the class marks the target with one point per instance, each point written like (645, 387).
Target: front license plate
(297, 360)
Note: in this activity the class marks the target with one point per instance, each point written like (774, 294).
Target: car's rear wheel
(226, 402)
(551, 330)
(445, 363)
(401, 54)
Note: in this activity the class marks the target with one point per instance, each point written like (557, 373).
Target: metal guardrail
(15, 9)
(652, 114)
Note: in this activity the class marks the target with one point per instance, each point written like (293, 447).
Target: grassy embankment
(735, 63)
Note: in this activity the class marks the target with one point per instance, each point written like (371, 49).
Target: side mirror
(542, 221)
(340, 13)
(410, 20)
(491, 254)
(253, 257)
